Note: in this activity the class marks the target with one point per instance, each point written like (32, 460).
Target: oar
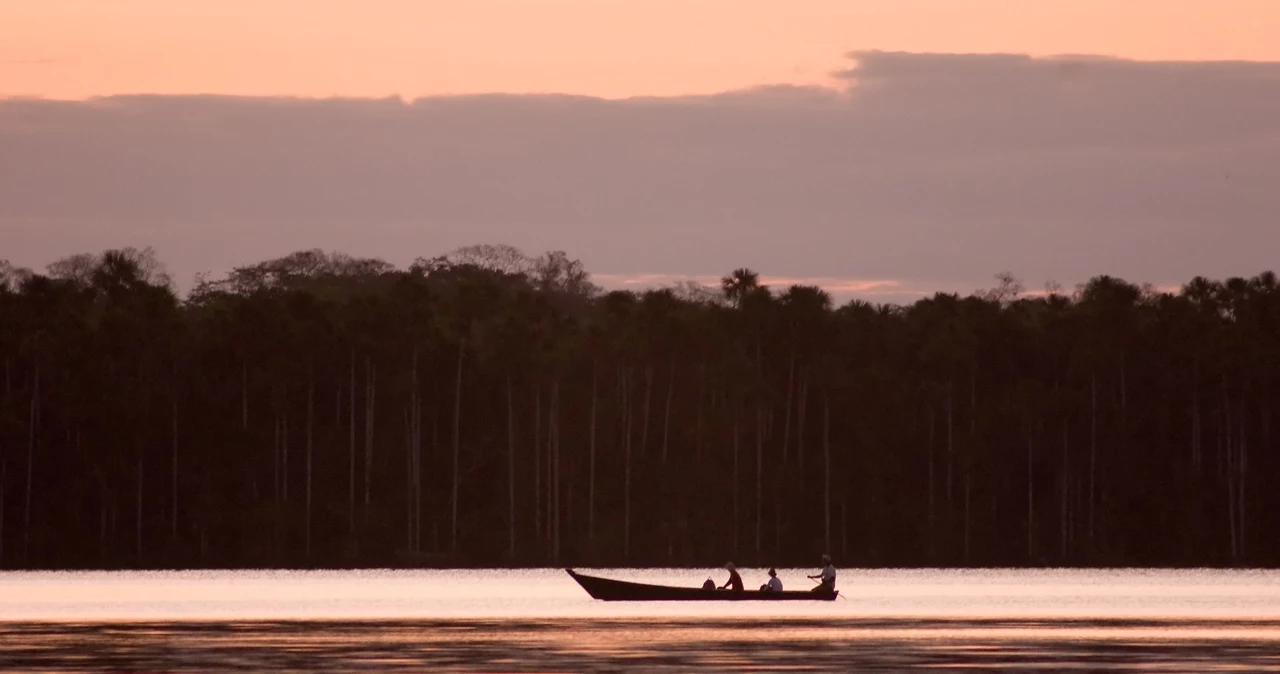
(815, 580)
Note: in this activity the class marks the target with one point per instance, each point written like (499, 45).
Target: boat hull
(607, 589)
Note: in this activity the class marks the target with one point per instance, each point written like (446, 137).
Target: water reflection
(647, 644)
(540, 620)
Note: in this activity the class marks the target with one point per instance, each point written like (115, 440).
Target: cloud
(932, 170)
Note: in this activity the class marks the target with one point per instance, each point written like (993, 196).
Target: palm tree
(739, 284)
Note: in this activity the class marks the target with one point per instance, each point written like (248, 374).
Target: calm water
(540, 620)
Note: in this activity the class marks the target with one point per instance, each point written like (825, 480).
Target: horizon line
(842, 81)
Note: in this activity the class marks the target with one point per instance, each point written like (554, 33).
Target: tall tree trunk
(436, 458)
(511, 471)
(4, 475)
(138, 513)
(666, 415)
(337, 404)
(1066, 486)
(777, 516)
(697, 433)
(537, 460)
(415, 434)
(591, 462)
(844, 527)
(951, 457)
(104, 506)
(1195, 418)
(932, 508)
(1031, 521)
(973, 403)
(968, 483)
(802, 407)
(173, 479)
(644, 422)
(1124, 392)
(549, 475)
(1241, 471)
(311, 410)
(968, 469)
(759, 473)
(284, 448)
(275, 454)
(1225, 466)
(1093, 451)
(786, 423)
(736, 452)
(409, 471)
(626, 488)
(826, 469)
(1235, 470)
(1231, 492)
(33, 433)
(555, 470)
(370, 416)
(779, 484)
(244, 394)
(351, 472)
(457, 444)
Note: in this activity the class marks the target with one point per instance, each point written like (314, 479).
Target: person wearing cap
(774, 584)
(828, 576)
(735, 581)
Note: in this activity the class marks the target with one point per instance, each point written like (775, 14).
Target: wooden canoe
(607, 589)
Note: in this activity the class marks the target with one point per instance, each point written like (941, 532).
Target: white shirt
(775, 584)
(829, 574)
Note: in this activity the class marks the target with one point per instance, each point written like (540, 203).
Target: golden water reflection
(600, 645)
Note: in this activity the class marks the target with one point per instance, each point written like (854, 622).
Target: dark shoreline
(488, 408)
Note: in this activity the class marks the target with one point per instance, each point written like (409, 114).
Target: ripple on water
(539, 619)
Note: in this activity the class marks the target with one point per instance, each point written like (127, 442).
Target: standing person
(735, 581)
(828, 576)
(774, 584)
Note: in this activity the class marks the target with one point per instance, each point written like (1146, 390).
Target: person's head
(826, 559)
(773, 573)
(730, 566)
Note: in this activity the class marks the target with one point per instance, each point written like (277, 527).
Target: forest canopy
(488, 407)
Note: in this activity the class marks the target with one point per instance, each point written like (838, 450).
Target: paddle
(815, 580)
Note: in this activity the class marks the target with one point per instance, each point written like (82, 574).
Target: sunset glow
(608, 48)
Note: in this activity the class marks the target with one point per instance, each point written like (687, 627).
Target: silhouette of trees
(488, 407)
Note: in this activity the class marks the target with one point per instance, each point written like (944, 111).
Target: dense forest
(489, 408)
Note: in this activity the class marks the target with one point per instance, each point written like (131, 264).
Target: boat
(607, 589)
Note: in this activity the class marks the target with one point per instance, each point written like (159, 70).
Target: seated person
(828, 576)
(774, 584)
(735, 581)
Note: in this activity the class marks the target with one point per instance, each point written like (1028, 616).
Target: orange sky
(610, 48)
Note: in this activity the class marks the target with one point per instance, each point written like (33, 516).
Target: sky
(608, 48)
(884, 149)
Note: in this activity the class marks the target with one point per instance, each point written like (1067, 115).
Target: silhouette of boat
(607, 589)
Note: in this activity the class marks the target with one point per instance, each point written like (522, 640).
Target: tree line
(486, 407)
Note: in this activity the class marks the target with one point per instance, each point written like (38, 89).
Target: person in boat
(774, 585)
(828, 576)
(735, 581)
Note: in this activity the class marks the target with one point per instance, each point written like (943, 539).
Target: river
(540, 620)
